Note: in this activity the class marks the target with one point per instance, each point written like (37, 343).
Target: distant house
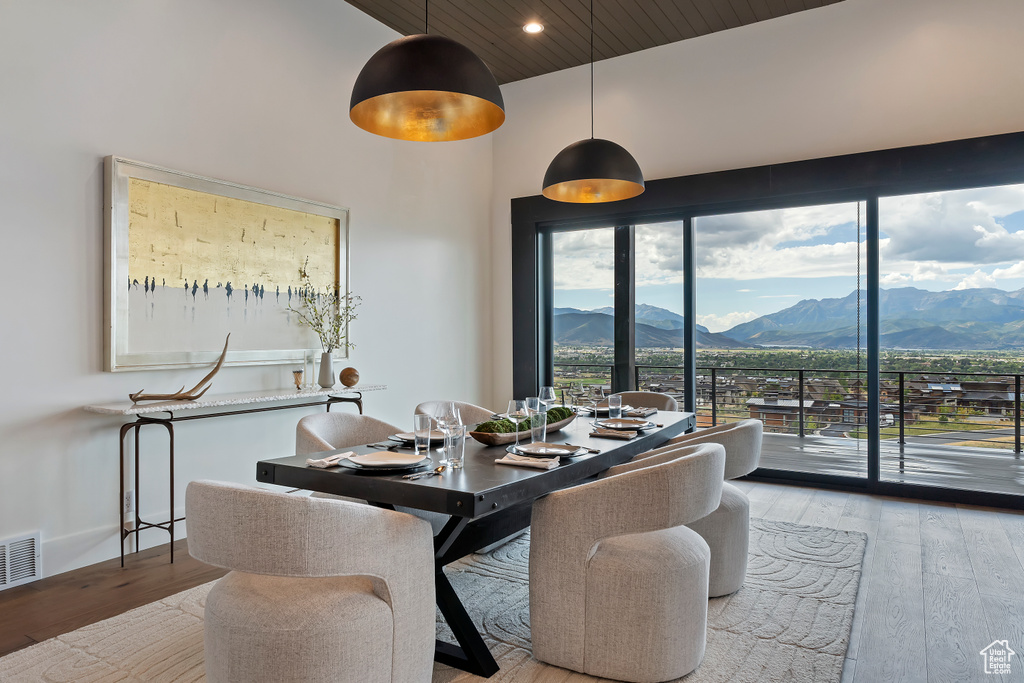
(778, 414)
(855, 412)
(992, 397)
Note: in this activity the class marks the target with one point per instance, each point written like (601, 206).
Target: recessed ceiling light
(534, 27)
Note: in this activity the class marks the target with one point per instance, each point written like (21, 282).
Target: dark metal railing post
(902, 434)
(1016, 416)
(800, 410)
(636, 378)
(714, 400)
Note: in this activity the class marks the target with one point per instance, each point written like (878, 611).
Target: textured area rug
(790, 621)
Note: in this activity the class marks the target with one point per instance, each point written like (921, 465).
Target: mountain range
(911, 318)
(654, 328)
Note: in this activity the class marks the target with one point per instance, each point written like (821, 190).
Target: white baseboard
(84, 548)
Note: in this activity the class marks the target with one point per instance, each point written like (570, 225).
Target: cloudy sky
(759, 262)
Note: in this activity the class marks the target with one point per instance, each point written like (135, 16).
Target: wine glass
(576, 393)
(547, 397)
(517, 414)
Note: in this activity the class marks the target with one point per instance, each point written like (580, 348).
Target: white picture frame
(162, 332)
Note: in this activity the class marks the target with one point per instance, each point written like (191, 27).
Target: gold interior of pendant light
(427, 115)
(593, 190)
(426, 88)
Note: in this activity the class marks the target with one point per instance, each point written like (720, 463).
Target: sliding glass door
(952, 347)
(781, 330)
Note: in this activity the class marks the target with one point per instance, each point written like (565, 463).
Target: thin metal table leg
(122, 533)
(138, 490)
(170, 434)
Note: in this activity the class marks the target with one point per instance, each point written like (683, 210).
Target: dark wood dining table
(485, 502)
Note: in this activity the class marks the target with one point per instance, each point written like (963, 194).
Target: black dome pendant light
(595, 170)
(426, 88)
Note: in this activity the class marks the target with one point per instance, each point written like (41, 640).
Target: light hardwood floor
(939, 583)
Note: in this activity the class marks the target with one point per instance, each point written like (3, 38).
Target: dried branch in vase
(327, 313)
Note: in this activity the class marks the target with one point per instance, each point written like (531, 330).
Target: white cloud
(1014, 271)
(975, 280)
(720, 323)
(929, 238)
(584, 259)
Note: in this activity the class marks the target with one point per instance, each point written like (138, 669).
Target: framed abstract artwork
(191, 259)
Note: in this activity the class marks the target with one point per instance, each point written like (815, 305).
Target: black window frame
(867, 176)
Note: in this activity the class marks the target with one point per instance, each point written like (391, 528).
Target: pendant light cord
(591, 69)
(426, 17)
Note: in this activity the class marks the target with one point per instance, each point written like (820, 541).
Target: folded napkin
(524, 461)
(640, 412)
(330, 460)
(603, 433)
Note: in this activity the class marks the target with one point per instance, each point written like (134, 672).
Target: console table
(166, 413)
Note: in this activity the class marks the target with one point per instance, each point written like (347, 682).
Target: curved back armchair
(742, 442)
(649, 399)
(727, 529)
(471, 414)
(313, 581)
(330, 431)
(618, 586)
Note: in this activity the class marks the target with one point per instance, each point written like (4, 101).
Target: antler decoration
(181, 394)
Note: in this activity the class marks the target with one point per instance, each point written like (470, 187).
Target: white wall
(855, 76)
(251, 91)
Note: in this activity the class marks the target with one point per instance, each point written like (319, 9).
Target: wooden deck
(958, 467)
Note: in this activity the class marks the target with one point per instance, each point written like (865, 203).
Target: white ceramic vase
(326, 378)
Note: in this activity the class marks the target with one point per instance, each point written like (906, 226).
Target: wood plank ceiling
(493, 29)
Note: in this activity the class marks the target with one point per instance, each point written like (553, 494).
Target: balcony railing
(979, 410)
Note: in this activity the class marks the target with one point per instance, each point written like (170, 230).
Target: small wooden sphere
(350, 377)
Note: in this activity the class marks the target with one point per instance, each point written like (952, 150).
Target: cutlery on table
(588, 449)
(419, 475)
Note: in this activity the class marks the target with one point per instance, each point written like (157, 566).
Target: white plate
(545, 449)
(410, 437)
(625, 423)
(604, 408)
(386, 459)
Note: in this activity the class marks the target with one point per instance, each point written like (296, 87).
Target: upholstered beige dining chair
(727, 529)
(319, 590)
(648, 399)
(471, 414)
(332, 431)
(618, 584)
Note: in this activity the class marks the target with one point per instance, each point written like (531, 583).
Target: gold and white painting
(192, 259)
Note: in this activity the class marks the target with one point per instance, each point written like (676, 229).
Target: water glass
(538, 426)
(421, 430)
(455, 447)
(614, 407)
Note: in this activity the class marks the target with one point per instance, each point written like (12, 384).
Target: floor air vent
(19, 561)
